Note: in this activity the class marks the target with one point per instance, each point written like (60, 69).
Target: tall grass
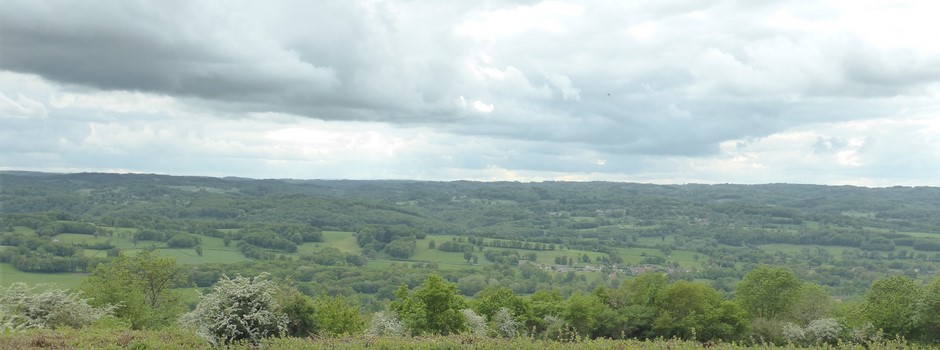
(105, 337)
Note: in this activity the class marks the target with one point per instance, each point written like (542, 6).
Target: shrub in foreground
(238, 308)
(22, 307)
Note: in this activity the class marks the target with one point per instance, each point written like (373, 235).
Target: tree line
(770, 304)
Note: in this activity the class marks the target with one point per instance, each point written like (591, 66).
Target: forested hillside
(568, 253)
(840, 237)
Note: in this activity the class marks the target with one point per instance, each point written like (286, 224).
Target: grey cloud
(709, 72)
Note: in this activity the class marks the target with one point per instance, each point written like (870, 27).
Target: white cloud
(667, 91)
(483, 107)
(21, 107)
(547, 16)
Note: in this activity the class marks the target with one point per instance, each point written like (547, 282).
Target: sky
(665, 91)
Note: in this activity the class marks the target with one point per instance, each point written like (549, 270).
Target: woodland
(340, 263)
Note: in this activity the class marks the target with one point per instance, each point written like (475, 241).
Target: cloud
(596, 89)
(21, 107)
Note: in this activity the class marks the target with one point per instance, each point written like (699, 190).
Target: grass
(105, 336)
(24, 230)
(10, 275)
(423, 253)
(687, 259)
(215, 251)
(344, 241)
(794, 249)
(859, 214)
(207, 242)
(654, 241)
(922, 234)
(582, 219)
(188, 256)
(119, 232)
(75, 238)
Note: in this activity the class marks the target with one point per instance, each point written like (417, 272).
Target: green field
(423, 253)
(654, 241)
(24, 230)
(215, 251)
(188, 256)
(922, 234)
(793, 249)
(344, 241)
(9, 275)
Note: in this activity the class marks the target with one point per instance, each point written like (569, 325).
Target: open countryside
(759, 264)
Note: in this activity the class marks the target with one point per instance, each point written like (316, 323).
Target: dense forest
(557, 260)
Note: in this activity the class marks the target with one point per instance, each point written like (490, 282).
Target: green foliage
(335, 316)
(432, 308)
(325, 316)
(237, 309)
(812, 303)
(928, 308)
(768, 291)
(111, 338)
(696, 311)
(546, 303)
(581, 312)
(183, 241)
(270, 240)
(401, 247)
(300, 312)
(842, 238)
(635, 302)
(891, 305)
(32, 253)
(141, 286)
(494, 298)
(21, 307)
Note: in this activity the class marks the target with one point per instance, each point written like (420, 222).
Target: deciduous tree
(768, 291)
(432, 308)
(890, 305)
(141, 286)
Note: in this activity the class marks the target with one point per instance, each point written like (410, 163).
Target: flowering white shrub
(21, 307)
(504, 324)
(824, 330)
(238, 308)
(793, 333)
(385, 324)
(10, 323)
(867, 333)
(476, 323)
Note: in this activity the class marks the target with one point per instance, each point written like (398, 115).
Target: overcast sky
(824, 92)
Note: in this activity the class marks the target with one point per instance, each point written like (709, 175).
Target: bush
(504, 324)
(183, 240)
(337, 316)
(825, 330)
(385, 324)
(239, 308)
(21, 308)
(476, 323)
